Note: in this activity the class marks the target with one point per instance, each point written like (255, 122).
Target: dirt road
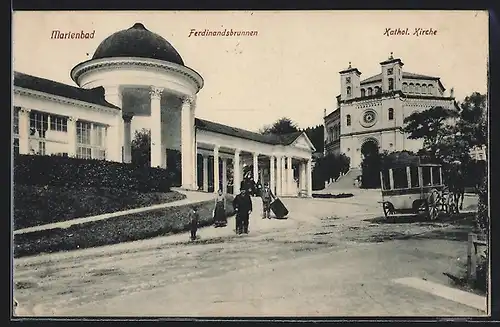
(331, 257)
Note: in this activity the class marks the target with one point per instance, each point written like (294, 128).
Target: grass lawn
(39, 205)
(115, 230)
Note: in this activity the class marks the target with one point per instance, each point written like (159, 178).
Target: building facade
(370, 112)
(135, 72)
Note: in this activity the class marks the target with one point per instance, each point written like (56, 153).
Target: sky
(289, 69)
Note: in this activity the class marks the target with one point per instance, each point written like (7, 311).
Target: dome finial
(139, 26)
(350, 64)
(391, 56)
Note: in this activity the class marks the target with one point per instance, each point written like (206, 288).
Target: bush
(333, 196)
(65, 171)
(38, 205)
(115, 230)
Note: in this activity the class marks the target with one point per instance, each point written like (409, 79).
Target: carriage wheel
(432, 204)
(388, 209)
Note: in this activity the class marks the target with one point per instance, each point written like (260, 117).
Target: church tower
(392, 74)
(350, 83)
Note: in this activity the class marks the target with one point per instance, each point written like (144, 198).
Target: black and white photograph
(250, 164)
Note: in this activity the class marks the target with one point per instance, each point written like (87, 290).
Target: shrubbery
(115, 230)
(65, 171)
(38, 205)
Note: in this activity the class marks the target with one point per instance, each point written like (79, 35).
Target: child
(193, 221)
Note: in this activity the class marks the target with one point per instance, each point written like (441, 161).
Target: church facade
(370, 112)
(135, 72)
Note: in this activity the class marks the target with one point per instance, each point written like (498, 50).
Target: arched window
(412, 88)
(390, 113)
(405, 87)
(348, 120)
(417, 88)
(370, 91)
(331, 134)
(348, 91)
(363, 92)
(431, 89)
(424, 88)
(391, 84)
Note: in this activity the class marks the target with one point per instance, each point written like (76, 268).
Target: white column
(224, 175)
(309, 177)
(302, 178)
(272, 173)
(261, 176)
(24, 130)
(205, 173)
(115, 142)
(279, 174)
(255, 166)
(216, 169)
(72, 137)
(236, 172)
(127, 138)
(187, 125)
(195, 146)
(155, 122)
(289, 176)
(284, 176)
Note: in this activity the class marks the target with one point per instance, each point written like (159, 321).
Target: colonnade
(286, 175)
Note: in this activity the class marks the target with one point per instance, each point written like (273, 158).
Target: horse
(456, 185)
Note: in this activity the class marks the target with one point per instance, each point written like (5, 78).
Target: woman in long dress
(220, 219)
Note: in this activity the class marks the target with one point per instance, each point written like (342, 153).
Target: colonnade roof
(35, 83)
(210, 126)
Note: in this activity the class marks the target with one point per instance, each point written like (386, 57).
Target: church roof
(35, 83)
(137, 41)
(378, 77)
(210, 126)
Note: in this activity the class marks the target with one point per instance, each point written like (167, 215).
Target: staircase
(345, 182)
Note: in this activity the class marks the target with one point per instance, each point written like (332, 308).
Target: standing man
(267, 197)
(242, 204)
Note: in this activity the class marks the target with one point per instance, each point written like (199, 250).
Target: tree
(316, 135)
(472, 124)
(281, 126)
(141, 148)
(330, 166)
(431, 126)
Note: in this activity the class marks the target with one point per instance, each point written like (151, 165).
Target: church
(370, 112)
(137, 73)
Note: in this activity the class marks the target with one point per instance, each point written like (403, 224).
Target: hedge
(115, 230)
(37, 205)
(58, 171)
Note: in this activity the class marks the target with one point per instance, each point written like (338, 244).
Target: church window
(391, 84)
(363, 92)
(391, 114)
(417, 88)
(378, 90)
(348, 120)
(390, 71)
(348, 91)
(412, 88)
(424, 89)
(405, 87)
(370, 91)
(348, 80)
(430, 89)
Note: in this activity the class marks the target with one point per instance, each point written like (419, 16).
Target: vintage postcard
(250, 164)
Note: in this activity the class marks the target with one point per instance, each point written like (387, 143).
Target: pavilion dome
(137, 41)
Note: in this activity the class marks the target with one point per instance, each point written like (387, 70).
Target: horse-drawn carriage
(412, 187)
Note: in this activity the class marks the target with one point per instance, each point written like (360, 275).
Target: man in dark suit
(242, 204)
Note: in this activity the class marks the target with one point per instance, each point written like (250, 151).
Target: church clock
(368, 118)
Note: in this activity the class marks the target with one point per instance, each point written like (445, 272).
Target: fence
(472, 255)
